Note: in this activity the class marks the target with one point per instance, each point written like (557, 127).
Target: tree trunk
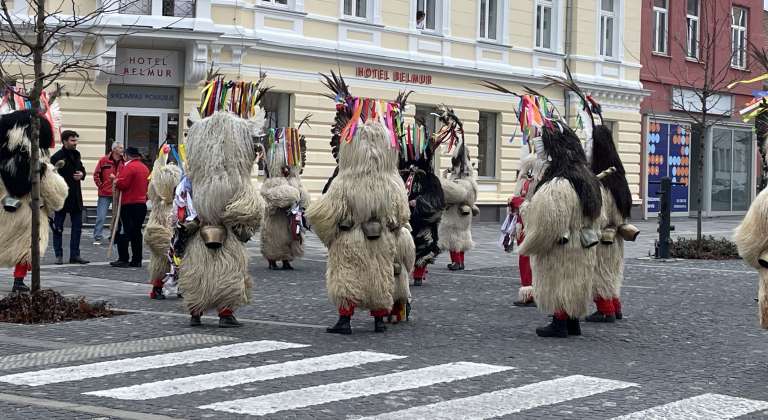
(761, 129)
(34, 97)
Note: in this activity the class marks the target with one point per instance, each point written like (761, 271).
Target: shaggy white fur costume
(455, 229)
(562, 274)
(281, 193)
(159, 229)
(367, 188)
(16, 227)
(220, 158)
(609, 267)
(751, 237)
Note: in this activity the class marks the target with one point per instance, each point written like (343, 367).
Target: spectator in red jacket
(132, 182)
(108, 165)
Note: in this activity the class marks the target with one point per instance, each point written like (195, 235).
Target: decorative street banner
(668, 155)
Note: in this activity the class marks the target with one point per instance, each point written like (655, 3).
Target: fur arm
(157, 238)
(547, 217)
(325, 214)
(751, 235)
(279, 194)
(305, 197)
(244, 213)
(53, 189)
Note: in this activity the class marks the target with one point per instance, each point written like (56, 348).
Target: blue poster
(668, 148)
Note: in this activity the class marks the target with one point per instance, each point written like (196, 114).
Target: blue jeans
(76, 219)
(102, 207)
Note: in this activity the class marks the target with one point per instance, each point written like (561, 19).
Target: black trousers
(129, 231)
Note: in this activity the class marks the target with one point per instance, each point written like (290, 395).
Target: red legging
(350, 310)
(457, 257)
(20, 271)
(420, 272)
(526, 276)
(605, 306)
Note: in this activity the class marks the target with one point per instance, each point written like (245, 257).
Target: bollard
(665, 214)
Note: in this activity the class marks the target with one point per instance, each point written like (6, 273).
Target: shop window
(429, 15)
(739, 37)
(489, 20)
(692, 21)
(486, 156)
(357, 9)
(660, 20)
(731, 170)
(544, 21)
(608, 27)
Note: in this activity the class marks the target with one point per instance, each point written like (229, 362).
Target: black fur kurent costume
(425, 197)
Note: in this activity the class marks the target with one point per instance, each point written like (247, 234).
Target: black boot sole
(343, 331)
(601, 318)
(195, 322)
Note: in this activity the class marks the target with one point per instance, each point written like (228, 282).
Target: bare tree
(696, 83)
(33, 54)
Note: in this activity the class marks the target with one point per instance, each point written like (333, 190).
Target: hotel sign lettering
(377, 73)
(147, 67)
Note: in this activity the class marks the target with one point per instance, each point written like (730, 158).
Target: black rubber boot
(19, 286)
(195, 321)
(378, 324)
(619, 315)
(408, 311)
(273, 265)
(556, 328)
(525, 303)
(600, 317)
(417, 281)
(229, 321)
(574, 327)
(287, 265)
(455, 266)
(342, 326)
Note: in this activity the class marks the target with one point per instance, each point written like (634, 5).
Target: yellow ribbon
(756, 79)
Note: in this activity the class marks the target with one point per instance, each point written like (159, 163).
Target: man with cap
(132, 182)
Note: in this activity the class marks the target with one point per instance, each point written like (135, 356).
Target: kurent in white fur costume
(159, 229)
(360, 219)
(282, 233)
(220, 159)
(460, 192)
(751, 237)
(16, 186)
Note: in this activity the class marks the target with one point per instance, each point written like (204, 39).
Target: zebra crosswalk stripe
(509, 401)
(235, 377)
(322, 394)
(705, 406)
(137, 364)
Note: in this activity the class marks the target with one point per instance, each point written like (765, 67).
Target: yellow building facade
(154, 55)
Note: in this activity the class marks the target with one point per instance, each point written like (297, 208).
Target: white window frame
(618, 11)
(692, 37)
(553, 25)
(658, 46)
(369, 10)
(289, 4)
(500, 12)
(739, 52)
(439, 12)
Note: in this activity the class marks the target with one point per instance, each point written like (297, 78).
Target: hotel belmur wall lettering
(149, 66)
(397, 76)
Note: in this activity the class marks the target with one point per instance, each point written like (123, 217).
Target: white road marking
(137, 364)
(508, 401)
(235, 377)
(322, 394)
(706, 406)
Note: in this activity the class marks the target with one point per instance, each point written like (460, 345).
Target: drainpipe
(567, 51)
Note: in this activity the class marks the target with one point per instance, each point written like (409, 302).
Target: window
(277, 107)
(136, 7)
(607, 28)
(660, 21)
(544, 17)
(486, 155)
(427, 11)
(489, 19)
(732, 158)
(276, 2)
(692, 19)
(179, 8)
(356, 8)
(739, 37)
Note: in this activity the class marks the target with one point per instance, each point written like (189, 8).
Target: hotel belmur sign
(396, 75)
(147, 67)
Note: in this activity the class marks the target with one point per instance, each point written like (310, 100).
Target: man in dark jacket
(132, 182)
(73, 173)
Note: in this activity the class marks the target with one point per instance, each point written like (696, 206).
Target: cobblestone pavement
(689, 347)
